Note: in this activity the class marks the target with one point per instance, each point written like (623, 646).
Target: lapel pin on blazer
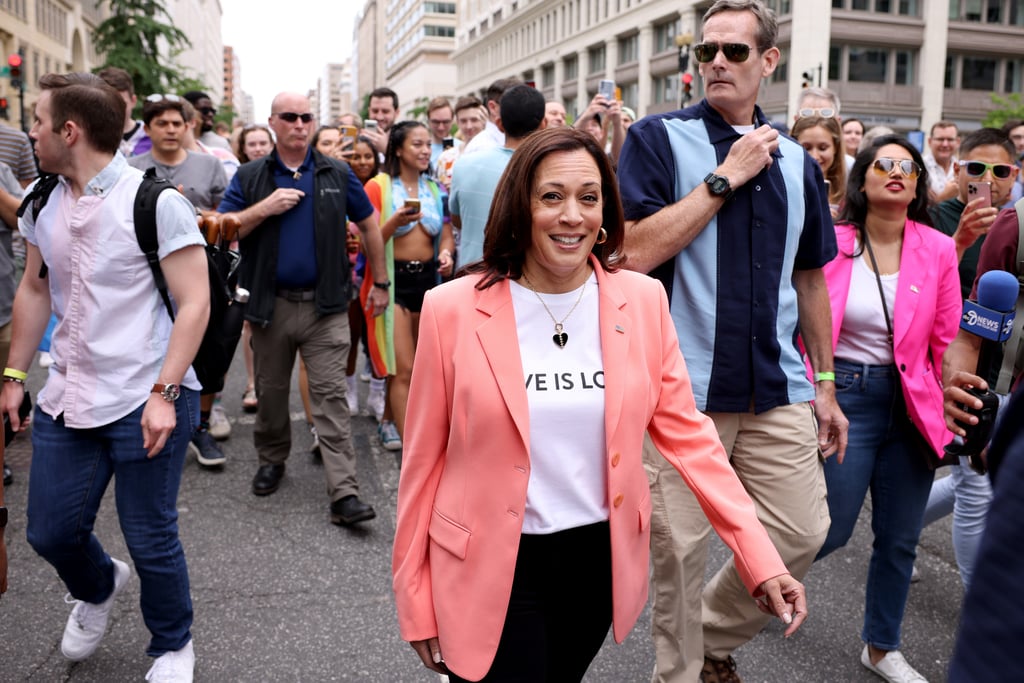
(620, 329)
(914, 289)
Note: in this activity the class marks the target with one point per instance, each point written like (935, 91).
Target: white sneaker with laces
(174, 667)
(892, 667)
(88, 621)
(375, 399)
(220, 428)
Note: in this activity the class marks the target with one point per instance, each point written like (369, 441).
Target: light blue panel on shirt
(695, 291)
(792, 164)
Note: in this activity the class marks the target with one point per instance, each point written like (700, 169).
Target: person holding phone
(987, 167)
(419, 252)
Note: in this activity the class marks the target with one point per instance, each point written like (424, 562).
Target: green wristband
(824, 377)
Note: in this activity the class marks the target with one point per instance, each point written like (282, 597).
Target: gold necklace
(560, 338)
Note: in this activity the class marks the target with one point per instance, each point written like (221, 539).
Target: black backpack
(226, 313)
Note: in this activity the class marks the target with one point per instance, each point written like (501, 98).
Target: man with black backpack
(121, 399)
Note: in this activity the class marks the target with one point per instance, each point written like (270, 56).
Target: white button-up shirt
(112, 327)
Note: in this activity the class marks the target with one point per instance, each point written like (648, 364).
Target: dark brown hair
(91, 103)
(508, 235)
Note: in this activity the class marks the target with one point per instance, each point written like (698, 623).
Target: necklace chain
(560, 337)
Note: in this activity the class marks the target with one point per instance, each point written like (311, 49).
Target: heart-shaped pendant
(560, 338)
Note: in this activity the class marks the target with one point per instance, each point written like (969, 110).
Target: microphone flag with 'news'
(991, 317)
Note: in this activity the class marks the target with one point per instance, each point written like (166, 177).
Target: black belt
(413, 267)
(297, 295)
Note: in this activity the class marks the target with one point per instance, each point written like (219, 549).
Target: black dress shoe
(350, 510)
(267, 479)
(8, 476)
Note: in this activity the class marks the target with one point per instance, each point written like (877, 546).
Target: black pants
(560, 608)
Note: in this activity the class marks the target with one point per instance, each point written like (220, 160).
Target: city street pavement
(282, 595)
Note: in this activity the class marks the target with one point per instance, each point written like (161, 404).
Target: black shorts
(412, 280)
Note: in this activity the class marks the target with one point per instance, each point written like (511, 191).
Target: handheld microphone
(991, 317)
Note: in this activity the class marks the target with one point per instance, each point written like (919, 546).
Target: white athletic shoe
(173, 667)
(88, 622)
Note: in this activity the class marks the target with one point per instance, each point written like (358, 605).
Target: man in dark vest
(292, 205)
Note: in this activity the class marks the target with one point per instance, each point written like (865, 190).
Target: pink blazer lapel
(913, 279)
(499, 340)
(616, 331)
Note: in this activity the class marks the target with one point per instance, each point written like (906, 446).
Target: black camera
(978, 435)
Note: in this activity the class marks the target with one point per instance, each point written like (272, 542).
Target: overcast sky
(284, 44)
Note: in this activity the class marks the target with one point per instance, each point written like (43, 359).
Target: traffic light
(808, 79)
(3, 108)
(687, 87)
(14, 63)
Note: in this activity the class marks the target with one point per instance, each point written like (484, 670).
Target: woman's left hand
(785, 598)
(445, 263)
(430, 654)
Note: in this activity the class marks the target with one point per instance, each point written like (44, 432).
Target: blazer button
(615, 460)
(618, 500)
(903, 367)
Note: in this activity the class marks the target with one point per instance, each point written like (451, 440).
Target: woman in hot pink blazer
(473, 468)
(889, 388)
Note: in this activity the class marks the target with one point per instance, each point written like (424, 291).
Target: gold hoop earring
(602, 235)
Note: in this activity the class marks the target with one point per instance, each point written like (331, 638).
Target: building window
(904, 67)
(547, 75)
(981, 11)
(781, 7)
(867, 65)
(907, 8)
(595, 60)
(15, 7)
(666, 89)
(628, 49)
(439, 31)
(883, 6)
(979, 73)
(947, 81)
(835, 62)
(780, 75)
(1013, 81)
(571, 68)
(665, 36)
(631, 95)
(439, 7)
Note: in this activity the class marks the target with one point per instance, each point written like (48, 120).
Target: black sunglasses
(208, 110)
(292, 117)
(734, 52)
(884, 166)
(976, 169)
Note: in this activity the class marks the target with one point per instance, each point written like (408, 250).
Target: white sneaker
(366, 375)
(892, 667)
(174, 667)
(220, 428)
(375, 399)
(352, 395)
(88, 622)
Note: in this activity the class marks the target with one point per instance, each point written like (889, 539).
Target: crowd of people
(520, 291)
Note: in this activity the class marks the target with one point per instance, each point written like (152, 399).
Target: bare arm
(280, 200)
(660, 236)
(28, 323)
(373, 245)
(188, 282)
(816, 329)
(959, 365)
(9, 208)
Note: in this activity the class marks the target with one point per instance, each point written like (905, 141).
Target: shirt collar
(105, 179)
(304, 167)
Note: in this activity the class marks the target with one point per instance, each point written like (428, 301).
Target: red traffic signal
(687, 78)
(14, 61)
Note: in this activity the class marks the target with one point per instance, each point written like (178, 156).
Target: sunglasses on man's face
(209, 111)
(734, 52)
(823, 112)
(976, 169)
(885, 165)
(292, 117)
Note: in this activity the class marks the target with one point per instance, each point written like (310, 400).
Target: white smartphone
(977, 189)
(370, 124)
(607, 88)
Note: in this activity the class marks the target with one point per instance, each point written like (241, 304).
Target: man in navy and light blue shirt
(292, 205)
(733, 219)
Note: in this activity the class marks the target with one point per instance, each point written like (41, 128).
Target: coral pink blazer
(466, 462)
(925, 317)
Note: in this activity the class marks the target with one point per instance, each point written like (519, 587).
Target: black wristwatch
(386, 285)
(3, 517)
(719, 186)
(168, 392)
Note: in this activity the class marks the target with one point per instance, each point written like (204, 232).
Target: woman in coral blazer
(523, 506)
(889, 388)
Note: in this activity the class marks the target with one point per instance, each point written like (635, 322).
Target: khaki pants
(323, 343)
(775, 455)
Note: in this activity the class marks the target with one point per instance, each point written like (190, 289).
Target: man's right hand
(377, 137)
(975, 222)
(283, 199)
(749, 155)
(10, 402)
(955, 394)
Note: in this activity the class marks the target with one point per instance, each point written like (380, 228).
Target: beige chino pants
(775, 455)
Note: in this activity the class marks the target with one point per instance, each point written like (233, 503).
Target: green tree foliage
(140, 37)
(1009, 107)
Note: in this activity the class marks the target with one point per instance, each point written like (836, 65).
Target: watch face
(719, 185)
(172, 392)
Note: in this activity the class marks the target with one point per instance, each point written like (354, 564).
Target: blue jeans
(881, 458)
(70, 472)
(967, 495)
